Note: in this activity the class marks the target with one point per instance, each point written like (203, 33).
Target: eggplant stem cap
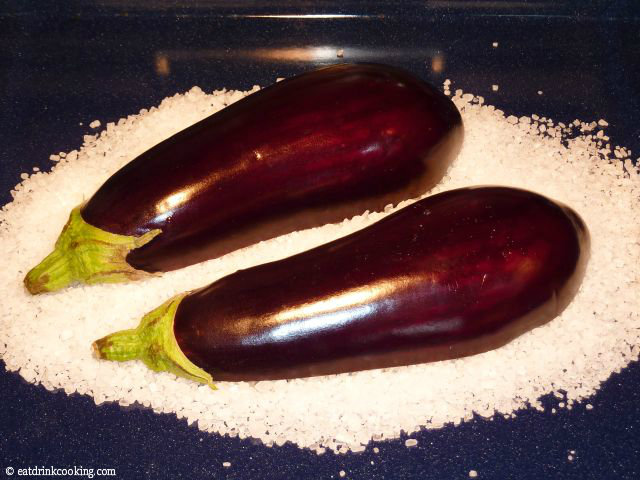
(153, 342)
(86, 254)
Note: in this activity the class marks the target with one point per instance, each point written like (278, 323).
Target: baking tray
(62, 66)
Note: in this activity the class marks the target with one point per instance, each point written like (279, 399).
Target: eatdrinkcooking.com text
(41, 471)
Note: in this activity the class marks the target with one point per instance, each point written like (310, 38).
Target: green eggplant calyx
(86, 254)
(153, 342)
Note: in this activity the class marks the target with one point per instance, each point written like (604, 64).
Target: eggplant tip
(153, 342)
(95, 349)
(84, 254)
(36, 284)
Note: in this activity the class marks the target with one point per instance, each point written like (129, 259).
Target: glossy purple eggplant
(310, 150)
(454, 274)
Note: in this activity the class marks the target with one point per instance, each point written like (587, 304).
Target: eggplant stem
(153, 342)
(86, 254)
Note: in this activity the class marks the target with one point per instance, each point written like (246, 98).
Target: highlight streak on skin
(331, 313)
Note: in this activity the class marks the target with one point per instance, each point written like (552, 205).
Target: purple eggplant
(454, 274)
(310, 150)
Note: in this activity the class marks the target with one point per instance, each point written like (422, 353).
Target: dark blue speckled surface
(63, 65)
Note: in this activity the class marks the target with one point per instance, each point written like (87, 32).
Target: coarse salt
(376, 404)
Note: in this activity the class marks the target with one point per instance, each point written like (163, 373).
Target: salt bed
(47, 338)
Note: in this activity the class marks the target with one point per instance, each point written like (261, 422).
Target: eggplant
(310, 150)
(455, 274)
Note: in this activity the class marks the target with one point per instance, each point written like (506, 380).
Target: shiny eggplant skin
(310, 150)
(454, 274)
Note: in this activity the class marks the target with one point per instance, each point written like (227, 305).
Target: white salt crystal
(410, 442)
(495, 44)
(473, 474)
(226, 464)
(495, 87)
(342, 473)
